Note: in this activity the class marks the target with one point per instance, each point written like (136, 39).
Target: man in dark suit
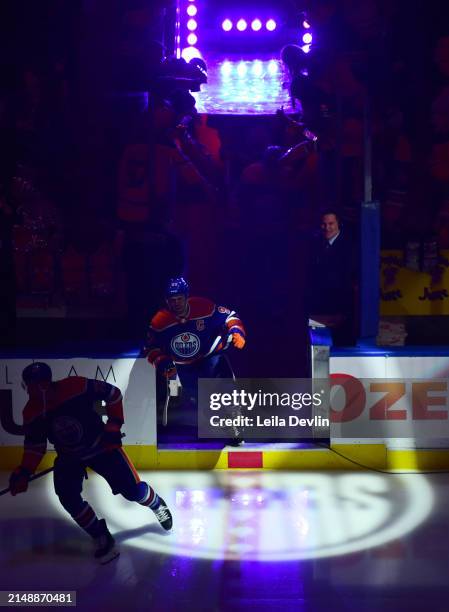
(332, 279)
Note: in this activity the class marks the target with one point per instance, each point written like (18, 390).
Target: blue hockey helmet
(37, 372)
(177, 286)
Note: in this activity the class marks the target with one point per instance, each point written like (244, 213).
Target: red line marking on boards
(245, 459)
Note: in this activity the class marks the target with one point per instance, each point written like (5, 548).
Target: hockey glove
(112, 436)
(238, 341)
(18, 481)
(169, 371)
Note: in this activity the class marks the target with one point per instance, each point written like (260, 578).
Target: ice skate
(163, 515)
(105, 545)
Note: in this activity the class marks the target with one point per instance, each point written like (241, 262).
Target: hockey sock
(155, 503)
(149, 496)
(87, 520)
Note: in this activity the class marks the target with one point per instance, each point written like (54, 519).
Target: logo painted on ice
(185, 345)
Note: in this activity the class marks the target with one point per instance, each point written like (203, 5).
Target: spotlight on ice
(271, 25)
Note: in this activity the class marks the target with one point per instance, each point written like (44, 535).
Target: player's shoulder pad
(66, 389)
(71, 387)
(162, 320)
(201, 308)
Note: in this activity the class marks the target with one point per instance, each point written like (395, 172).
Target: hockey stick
(34, 477)
(213, 349)
(39, 474)
(167, 401)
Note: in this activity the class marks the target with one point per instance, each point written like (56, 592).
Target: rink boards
(136, 379)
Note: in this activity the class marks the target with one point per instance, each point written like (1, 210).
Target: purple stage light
(242, 69)
(192, 25)
(189, 53)
(226, 68)
(271, 25)
(272, 67)
(306, 48)
(256, 25)
(241, 25)
(258, 68)
(305, 24)
(192, 10)
(192, 39)
(307, 38)
(227, 25)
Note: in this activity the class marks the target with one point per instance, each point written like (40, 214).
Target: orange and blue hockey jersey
(191, 340)
(65, 415)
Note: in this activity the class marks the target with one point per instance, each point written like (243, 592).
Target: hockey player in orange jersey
(63, 412)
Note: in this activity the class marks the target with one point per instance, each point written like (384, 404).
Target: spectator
(442, 56)
(331, 279)
(7, 287)
(442, 225)
(393, 218)
(264, 219)
(439, 161)
(195, 215)
(151, 254)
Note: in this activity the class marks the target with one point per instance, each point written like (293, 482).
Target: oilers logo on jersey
(185, 345)
(67, 431)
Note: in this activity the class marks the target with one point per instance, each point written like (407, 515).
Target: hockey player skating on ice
(63, 412)
(188, 338)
